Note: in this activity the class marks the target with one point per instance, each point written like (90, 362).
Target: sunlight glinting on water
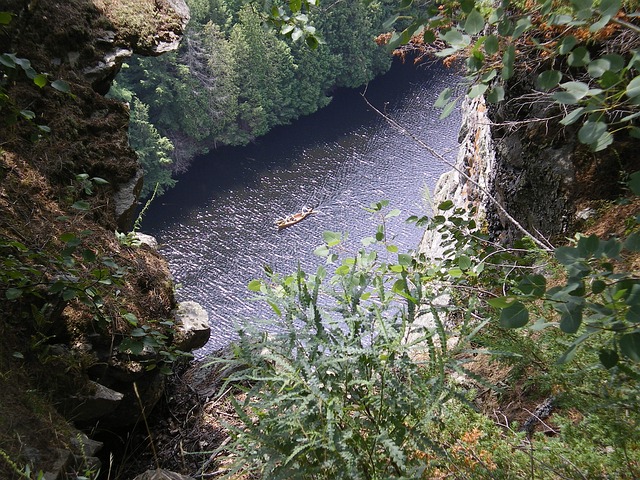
(216, 226)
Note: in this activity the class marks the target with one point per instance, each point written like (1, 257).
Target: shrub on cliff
(400, 366)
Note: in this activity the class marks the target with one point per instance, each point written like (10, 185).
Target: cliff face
(533, 168)
(69, 291)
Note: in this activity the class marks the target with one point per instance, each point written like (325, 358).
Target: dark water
(216, 226)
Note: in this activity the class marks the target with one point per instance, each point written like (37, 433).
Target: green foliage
(595, 300)
(240, 71)
(336, 392)
(83, 276)
(25, 472)
(592, 81)
(10, 64)
(153, 150)
(358, 377)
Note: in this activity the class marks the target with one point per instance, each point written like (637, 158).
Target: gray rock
(149, 240)
(59, 469)
(192, 327)
(92, 407)
(161, 474)
(125, 200)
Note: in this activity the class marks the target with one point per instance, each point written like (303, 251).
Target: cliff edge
(84, 317)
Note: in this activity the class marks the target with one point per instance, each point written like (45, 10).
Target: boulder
(99, 403)
(161, 474)
(192, 327)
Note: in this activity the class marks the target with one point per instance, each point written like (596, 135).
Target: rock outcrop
(513, 160)
(70, 293)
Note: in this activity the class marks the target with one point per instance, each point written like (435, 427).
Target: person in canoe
(290, 220)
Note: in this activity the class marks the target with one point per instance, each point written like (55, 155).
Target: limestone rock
(161, 474)
(148, 240)
(125, 200)
(92, 407)
(192, 327)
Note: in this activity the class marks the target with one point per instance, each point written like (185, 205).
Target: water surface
(217, 228)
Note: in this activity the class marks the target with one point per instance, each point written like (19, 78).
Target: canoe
(290, 220)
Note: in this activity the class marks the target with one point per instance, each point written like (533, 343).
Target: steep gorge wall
(514, 155)
(54, 357)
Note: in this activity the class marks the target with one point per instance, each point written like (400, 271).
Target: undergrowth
(392, 365)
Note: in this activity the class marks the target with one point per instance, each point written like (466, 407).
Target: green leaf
(7, 60)
(99, 181)
(69, 294)
(500, 302)
(61, 86)
(579, 57)
(297, 34)
(393, 213)
(534, 285)
(13, 293)
(600, 24)
(131, 318)
(295, 5)
(321, 251)
(598, 66)
(429, 36)
(573, 116)
(467, 5)
(312, 41)
(5, 18)
(255, 285)
(630, 346)
(28, 114)
(609, 7)
(522, 26)
(496, 94)
(608, 358)
(508, 59)
(456, 39)
(598, 286)
(405, 259)
(455, 272)
(331, 238)
(474, 23)
(591, 131)
(579, 5)
(40, 80)
(446, 205)
(634, 182)
(477, 90)
(577, 89)
(491, 45)
(548, 79)
(515, 315)
(464, 262)
(448, 110)
(587, 246)
(571, 317)
(81, 205)
(567, 44)
(616, 62)
(505, 27)
(633, 89)
(567, 255)
(443, 98)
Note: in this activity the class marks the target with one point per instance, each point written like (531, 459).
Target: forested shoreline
(233, 79)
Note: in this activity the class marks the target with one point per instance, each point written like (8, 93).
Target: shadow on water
(217, 224)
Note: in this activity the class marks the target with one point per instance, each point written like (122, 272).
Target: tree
(154, 150)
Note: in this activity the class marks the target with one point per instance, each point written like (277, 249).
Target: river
(216, 227)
